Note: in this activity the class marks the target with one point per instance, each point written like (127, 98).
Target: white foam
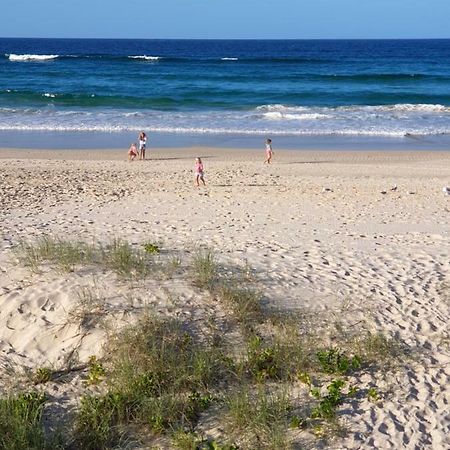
(26, 57)
(229, 59)
(277, 115)
(384, 120)
(145, 57)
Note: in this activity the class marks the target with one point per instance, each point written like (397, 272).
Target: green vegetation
(159, 377)
(118, 256)
(262, 416)
(205, 268)
(326, 409)
(20, 422)
(62, 253)
(96, 372)
(373, 395)
(151, 248)
(42, 375)
(334, 360)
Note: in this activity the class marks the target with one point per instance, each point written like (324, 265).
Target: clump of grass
(284, 356)
(159, 355)
(98, 419)
(234, 292)
(42, 375)
(126, 261)
(159, 378)
(65, 254)
(20, 422)
(205, 268)
(90, 308)
(378, 350)
(245, 303)
(261, 418)
(263, 362)
(118, 256)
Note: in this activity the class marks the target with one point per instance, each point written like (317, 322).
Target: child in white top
(269, 151)
(142, 145)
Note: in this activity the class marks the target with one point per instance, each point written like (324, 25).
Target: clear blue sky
(271, 19)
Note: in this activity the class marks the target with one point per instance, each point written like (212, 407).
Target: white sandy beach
(314, 226)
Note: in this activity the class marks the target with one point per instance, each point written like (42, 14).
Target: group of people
(133, 152)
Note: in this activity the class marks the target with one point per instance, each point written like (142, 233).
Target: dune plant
(260, 417)
(65, 254)
(159, 377)
(42, 375)
(151, 248)
(20, 422)
(205, 268)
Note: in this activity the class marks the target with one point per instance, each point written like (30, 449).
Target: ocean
(214, 89)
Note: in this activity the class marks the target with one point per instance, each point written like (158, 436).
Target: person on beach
(199, 174)
(269, 151)
(132, 152)
(142, 145)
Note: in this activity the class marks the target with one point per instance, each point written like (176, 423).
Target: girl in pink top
(199, 172)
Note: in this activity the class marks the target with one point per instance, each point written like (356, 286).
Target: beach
(364, 234)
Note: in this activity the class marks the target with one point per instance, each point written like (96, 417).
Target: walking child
(199, 174)
(269, 151)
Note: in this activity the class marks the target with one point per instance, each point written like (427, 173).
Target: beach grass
(21, 422)
(117, 255)
(205, 268)
(261, 415)
(161, 375)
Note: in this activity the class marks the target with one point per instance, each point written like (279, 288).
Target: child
(269, 151)
(199, 172)
(142, 144)
(132, 152)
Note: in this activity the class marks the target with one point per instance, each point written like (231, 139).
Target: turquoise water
(388, 89)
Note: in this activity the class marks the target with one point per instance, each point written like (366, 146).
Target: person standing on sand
(142, 145)
(199, 175)
(269, 151)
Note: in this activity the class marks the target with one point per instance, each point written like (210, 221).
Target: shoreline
(121, 140)
(282, 156)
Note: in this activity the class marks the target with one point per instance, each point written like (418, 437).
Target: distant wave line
(167, 58)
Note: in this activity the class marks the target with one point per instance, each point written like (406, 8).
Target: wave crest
(145, 57)
(27, 57)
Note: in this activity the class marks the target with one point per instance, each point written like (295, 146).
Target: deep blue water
(309, 87)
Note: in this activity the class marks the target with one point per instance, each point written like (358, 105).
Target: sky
(226, 19)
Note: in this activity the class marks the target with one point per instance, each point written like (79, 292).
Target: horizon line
(235, 39)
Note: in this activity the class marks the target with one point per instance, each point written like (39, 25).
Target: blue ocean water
(387, 88)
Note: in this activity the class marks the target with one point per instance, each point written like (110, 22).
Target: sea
(103, 92)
